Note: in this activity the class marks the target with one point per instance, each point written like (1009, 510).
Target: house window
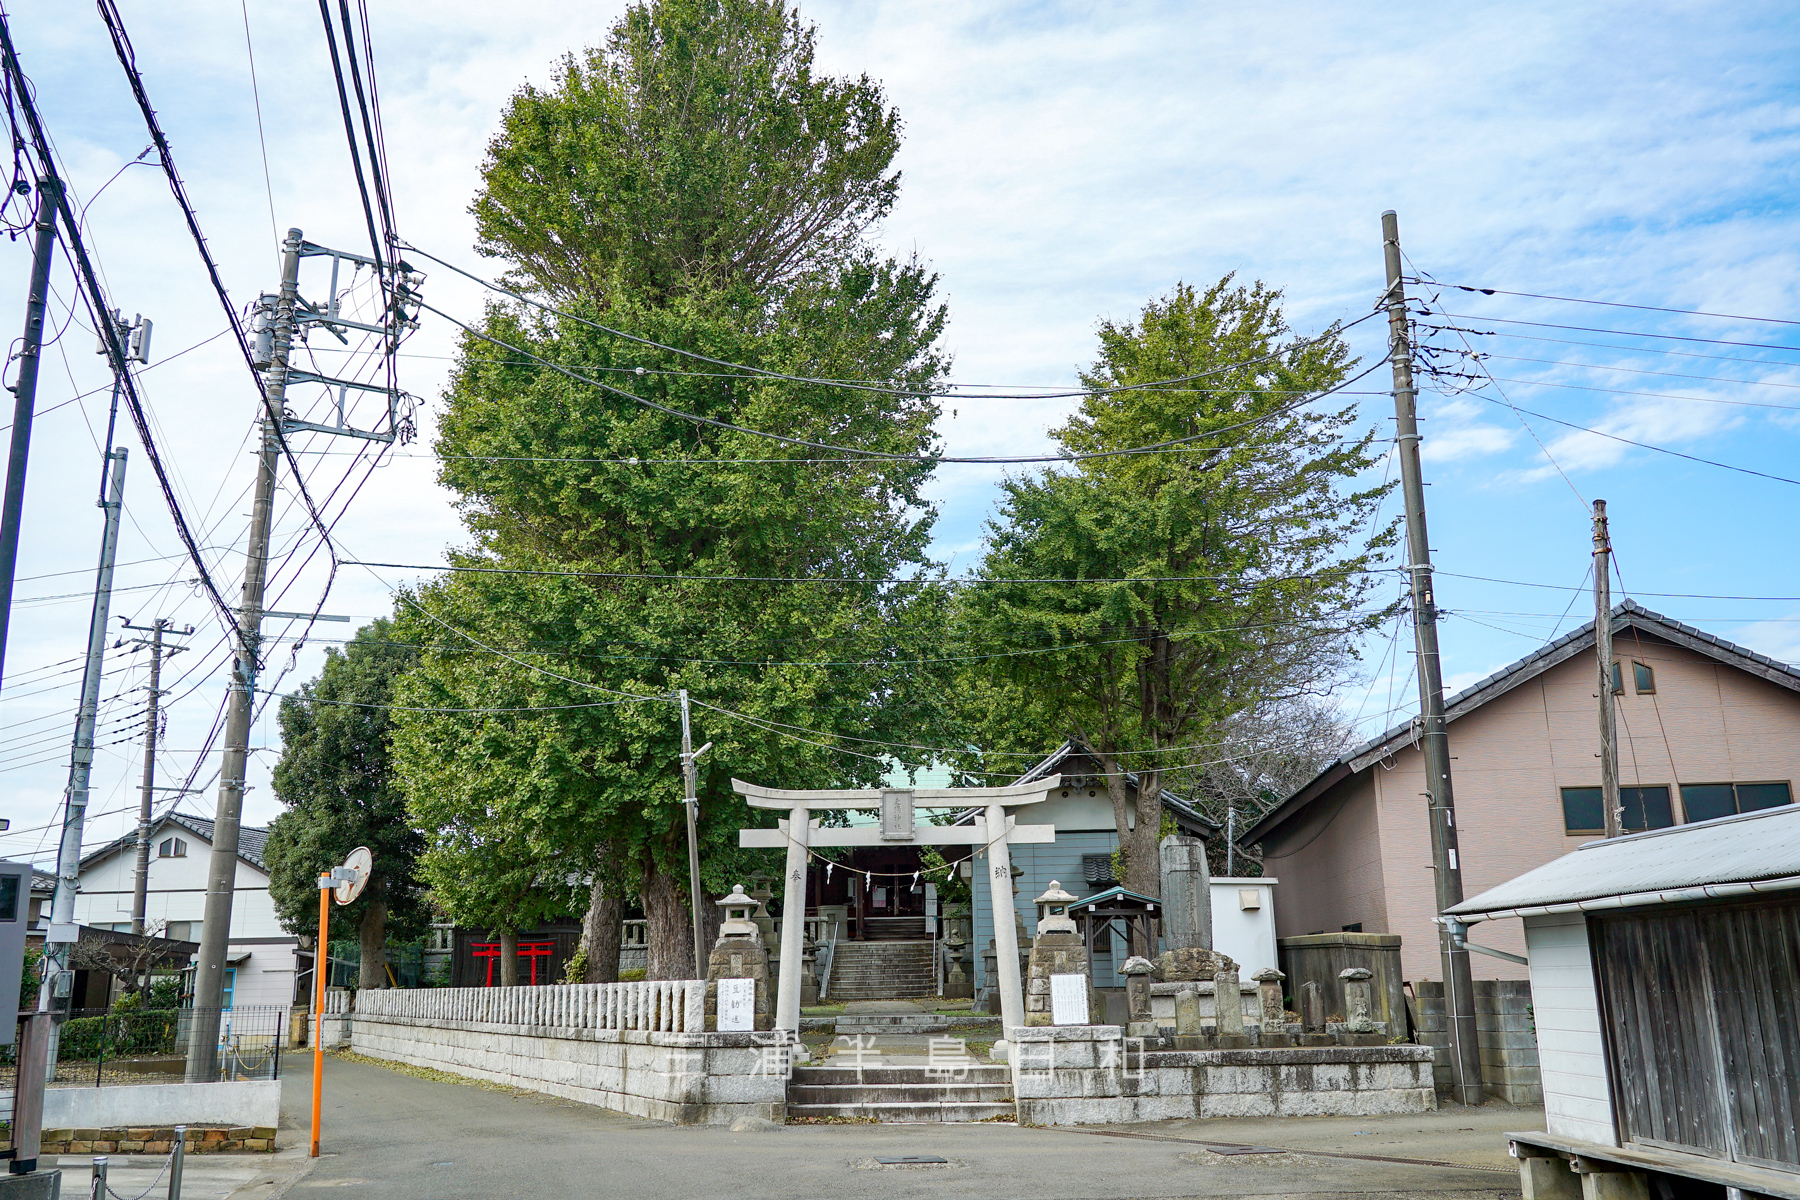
(9, 897)
(1618, 679)
(1353, 928)
(172, 848)
(180, 931)
(1645, 808)
(1583, 810)
(230, 985)
(1705, 801)
(1643, 678)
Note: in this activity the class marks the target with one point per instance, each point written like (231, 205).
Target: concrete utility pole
(61, 935)
(140, 882)
(209, 979)
(25, 392)
(1612, 814)
(1459, 998)
(691, 802)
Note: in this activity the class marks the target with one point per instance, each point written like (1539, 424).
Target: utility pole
(62, 934)
(277, 316)
(1459, 998)
(1230, 838)
(1612, 816)
(691, 802)
(25, 392)
(140, 882)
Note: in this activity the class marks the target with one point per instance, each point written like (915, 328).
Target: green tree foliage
(337, 780)
(557, 476)
(1246, 551)
(696, 183)
(697, 149)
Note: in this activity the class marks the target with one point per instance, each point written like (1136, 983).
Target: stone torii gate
(994, 831)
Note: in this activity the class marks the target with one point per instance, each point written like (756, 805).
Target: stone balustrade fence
(655, 1006)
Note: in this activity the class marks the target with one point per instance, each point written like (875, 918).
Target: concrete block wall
(1507, 1034)
(682, 1078)
(1089, 1075)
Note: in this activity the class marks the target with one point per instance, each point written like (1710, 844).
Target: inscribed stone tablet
(737, 1005)
(1068, 1000)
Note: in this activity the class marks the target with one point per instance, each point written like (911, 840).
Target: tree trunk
(373, 935)
(509, 959)
(600, 929)
(669, 930)
(1139, 824)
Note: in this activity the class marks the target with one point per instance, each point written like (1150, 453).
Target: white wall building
(260, 964)
(1243, 922)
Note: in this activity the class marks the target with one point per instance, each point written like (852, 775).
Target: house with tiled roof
(1706, 729)
(260, 963)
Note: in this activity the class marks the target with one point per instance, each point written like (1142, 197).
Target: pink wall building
(1706, 729)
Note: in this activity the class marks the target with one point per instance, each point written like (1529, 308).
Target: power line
(1666, 337)
(763, 373)
(882, 454)
(1686, 312)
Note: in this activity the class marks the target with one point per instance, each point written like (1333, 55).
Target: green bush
(123, 1035)
(635, 975)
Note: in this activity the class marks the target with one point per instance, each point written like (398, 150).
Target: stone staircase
(881, 971)
(893, 929)
(981, 1093)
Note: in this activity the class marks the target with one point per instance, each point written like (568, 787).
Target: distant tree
(698, 149)
(1243, 554)
(336, 777)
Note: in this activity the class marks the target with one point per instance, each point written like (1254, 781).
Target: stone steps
(895, 1024)
(882, 971)
(909, 1094)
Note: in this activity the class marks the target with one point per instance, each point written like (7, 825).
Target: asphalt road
(399, 1137)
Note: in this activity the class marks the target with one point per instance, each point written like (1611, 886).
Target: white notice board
(1068, 1000)
(737, 1005)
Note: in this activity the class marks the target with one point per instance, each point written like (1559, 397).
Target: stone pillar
(793, 908)
(1312, 1015)
(1271, 1010)
(1359, 1028)
(1228, 1010)
(990, 975)
(1186, 893)
(1137, 971)
(1006, 940)
(809, 975)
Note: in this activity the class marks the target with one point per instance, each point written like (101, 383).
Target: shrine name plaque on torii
(994, 831)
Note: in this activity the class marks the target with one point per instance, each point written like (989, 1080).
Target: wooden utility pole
(690, 790)
(1459, 988)
(1609, 746)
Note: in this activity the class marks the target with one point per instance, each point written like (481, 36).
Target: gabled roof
(1628, 615)
(1736, 855)
(1184, 812)
(1116, 893)
(251, 839)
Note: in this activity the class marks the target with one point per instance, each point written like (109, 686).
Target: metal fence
(100, 1048)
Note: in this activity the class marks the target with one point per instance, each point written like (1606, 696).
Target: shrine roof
(1117, 895)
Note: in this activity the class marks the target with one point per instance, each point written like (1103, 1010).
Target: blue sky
(1063, 164)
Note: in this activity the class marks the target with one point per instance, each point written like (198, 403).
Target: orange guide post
(320, 966)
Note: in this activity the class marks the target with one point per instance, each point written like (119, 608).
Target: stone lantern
(1057, 950)
(738, 954)
(1053, 910)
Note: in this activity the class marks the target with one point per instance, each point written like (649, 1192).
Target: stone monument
(1359, 1029)
(1228, 1009)
(1312, 1015)
(1055, 951)
(1186, 893)
(1272, 1010)
(738, 954)
(1137, 971)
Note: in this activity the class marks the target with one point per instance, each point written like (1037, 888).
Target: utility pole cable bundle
(1459, 988)
(140, 882)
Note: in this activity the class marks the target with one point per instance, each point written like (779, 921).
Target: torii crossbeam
(994, 831)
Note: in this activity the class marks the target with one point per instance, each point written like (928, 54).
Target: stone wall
(228, 1102)
(1505, 1029)
(1089, 1075)
(683, 1078)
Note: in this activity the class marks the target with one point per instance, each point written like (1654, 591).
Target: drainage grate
(911, 1160)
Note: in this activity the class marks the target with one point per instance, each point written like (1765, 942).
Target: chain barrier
(100, 1189)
